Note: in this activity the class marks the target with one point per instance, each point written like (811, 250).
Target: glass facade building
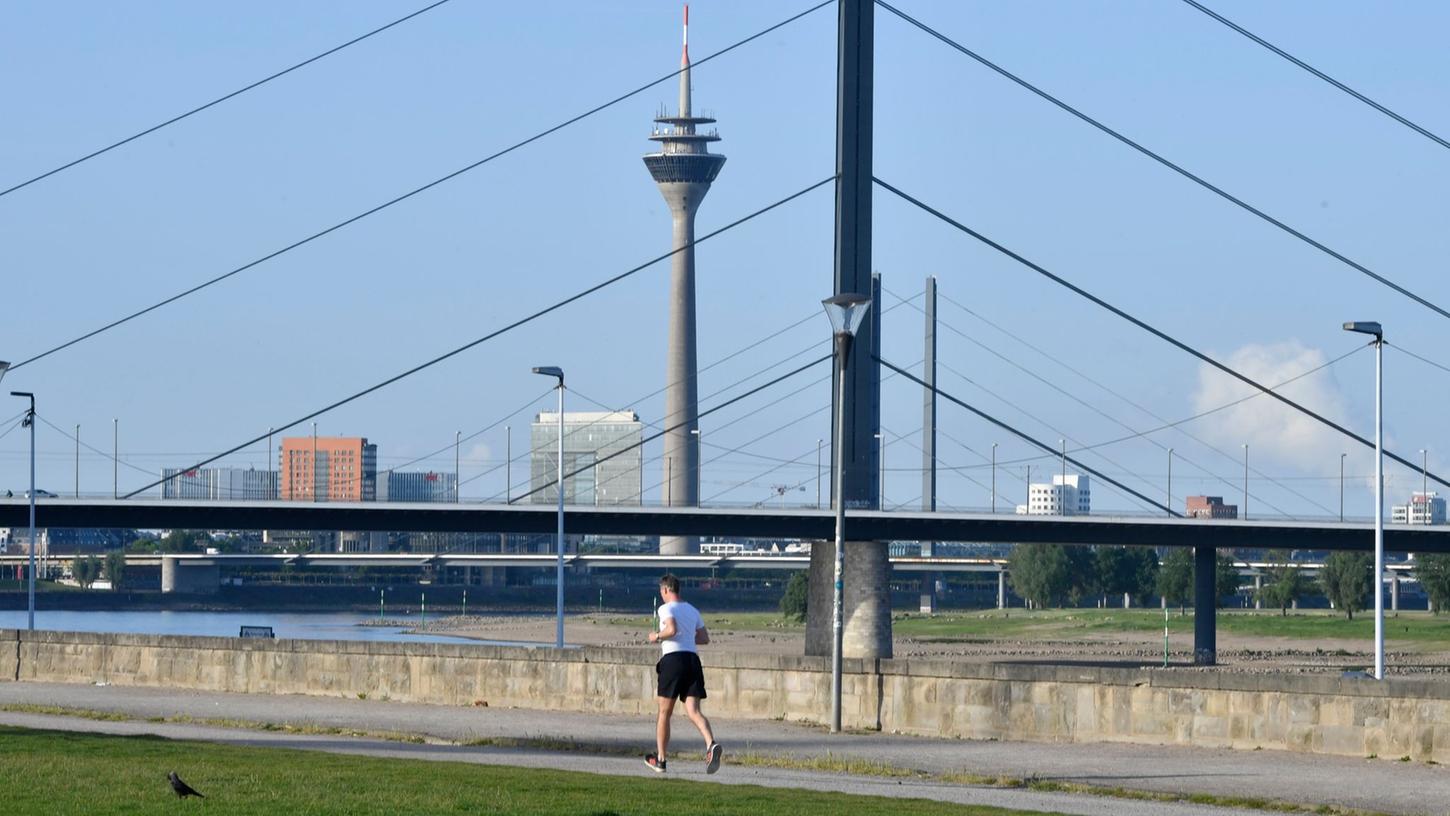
(590, 440)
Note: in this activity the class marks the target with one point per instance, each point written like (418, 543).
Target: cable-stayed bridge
(863, 433)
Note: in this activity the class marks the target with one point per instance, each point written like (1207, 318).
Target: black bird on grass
(181, 789)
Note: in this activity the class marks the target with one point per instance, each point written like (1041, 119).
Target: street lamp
(1062, 489)
(699, 463)
(1245, 515)
(994, 477)
(846, 312)
(29, 422)
(1170, 481)
(1372, 328)
(881, 489)
(819, 443)
(1341, 485)
(556, 372)
(1425, 482)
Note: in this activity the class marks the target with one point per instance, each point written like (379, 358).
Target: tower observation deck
(683, 168)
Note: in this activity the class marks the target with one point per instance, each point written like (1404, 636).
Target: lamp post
(457, 465)
(1341, 485)
(699, 462)
(1245, 515)
(555, 371)
(29, 422)
(846, 312)
(1425, 482)
(1062, 489)
(994, 478)
(1372, 328)
(881, 476)
(78, 461)
(1170, 481)
(819, 442)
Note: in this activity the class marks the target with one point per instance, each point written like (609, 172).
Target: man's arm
(702, 635)
(667, 631)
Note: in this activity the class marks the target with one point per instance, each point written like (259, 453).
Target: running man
(680, 675)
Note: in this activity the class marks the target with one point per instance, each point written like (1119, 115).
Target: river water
(302, 625)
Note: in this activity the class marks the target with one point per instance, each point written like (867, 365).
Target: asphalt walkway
(604, 743)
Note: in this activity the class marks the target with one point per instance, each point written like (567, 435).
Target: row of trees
(89, 569)
(1053, 574)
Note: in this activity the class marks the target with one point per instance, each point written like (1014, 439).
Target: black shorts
(680, 676)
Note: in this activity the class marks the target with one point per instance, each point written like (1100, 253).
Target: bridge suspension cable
(405, 196)
(1026, 437)
(1176, 426)
(1318, 73)
(553, 307)
(1111, 418)
(238, 92)
(1199, 180)
(676, 426)
(1164, 336)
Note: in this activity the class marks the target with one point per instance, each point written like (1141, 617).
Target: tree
(1346, 580)
(1225, 578)
(1433, 573)
(86, 570)
(1145, 572)
(1116, 570)
(1040, 573)
(1287, 583)
(793, 602)
(1175, 578)
(1082, 574)
(116, 568)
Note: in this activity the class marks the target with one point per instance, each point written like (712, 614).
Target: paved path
(1374, 785)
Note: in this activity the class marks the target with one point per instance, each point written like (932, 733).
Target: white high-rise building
(1069, 495)
(601, 451)
(1424, 508)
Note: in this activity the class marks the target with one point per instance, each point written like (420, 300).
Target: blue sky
(441, 91)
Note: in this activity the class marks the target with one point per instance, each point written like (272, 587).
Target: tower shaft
(683, 168)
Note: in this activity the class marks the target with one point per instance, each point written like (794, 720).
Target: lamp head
(1365, 327)
(550, 371)
(846, 312)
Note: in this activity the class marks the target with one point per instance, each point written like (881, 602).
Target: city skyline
(1021, 172)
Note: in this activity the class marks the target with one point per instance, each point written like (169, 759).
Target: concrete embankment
(1313, 714)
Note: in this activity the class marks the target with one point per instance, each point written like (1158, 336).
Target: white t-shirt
(687, 619)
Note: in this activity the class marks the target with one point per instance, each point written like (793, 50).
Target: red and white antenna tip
(687, 31)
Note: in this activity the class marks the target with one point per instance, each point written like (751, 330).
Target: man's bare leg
(692, 710)
(662, 725)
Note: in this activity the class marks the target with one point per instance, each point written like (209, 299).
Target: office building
(328, 468)
(604, 446)
(1424, 508)
(219, 484)
(417, 486)
(1069, 495)
(1209, 507)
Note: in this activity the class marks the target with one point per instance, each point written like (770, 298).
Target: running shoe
(712, 757)
(654, 762)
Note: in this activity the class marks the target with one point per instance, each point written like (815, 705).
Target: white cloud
(1278, 436)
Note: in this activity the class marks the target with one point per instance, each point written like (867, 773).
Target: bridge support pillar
(1001, 589)
(1258, 590)
(189, 577)
(1395, 592)
(1205, 606)
(866, 605)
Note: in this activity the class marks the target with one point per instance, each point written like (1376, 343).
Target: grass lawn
(50, 772)
(1310, 625)
(1418, 628)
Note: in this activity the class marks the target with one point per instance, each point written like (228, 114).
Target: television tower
(683, 168)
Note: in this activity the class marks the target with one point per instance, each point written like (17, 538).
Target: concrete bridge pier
(1001, 589)
(1205, 606)
(189, 576)
(865, 605)
(1395, 592)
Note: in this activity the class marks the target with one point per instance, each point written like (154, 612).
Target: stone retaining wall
(1316, 714)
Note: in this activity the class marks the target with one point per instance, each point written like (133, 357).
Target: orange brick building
(345, 468)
